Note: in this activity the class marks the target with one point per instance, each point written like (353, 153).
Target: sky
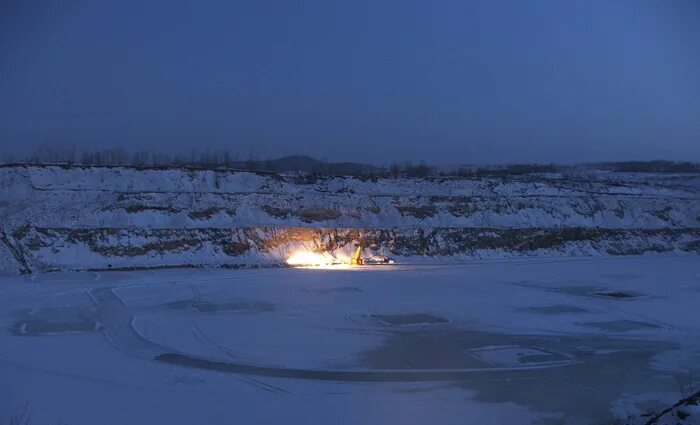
(445, 81)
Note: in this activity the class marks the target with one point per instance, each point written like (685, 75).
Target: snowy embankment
(58, 218)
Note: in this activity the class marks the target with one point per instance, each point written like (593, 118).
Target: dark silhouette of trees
(211, 159)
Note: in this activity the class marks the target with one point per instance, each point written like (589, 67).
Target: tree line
(224, 159)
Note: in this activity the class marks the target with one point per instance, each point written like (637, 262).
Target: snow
(78, 218)
(486, 317)
(519, 343)
(124, 198)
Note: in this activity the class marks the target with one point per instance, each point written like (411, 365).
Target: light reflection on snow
(308, 259)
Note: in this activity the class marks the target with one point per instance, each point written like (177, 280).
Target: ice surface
(515, 343)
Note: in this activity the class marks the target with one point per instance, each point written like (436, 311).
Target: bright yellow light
(308, 259)
(314, 259)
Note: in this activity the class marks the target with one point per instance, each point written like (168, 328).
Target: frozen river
(520, 341)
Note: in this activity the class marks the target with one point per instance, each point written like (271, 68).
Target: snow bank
(84, 217)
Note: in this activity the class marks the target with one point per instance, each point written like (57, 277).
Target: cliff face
(57, 218)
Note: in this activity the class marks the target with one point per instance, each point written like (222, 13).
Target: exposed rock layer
(57, 218)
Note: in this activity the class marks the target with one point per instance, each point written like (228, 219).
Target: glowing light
(314, 259)
(309, 259)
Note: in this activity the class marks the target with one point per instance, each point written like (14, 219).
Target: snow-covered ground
(544, 341)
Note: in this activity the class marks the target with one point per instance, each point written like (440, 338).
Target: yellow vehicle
(359, 260)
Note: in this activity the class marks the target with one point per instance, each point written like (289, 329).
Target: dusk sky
(446, 81)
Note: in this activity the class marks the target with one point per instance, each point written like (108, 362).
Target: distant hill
(308, 164)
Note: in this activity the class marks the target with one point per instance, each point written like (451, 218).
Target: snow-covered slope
(56, 217)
